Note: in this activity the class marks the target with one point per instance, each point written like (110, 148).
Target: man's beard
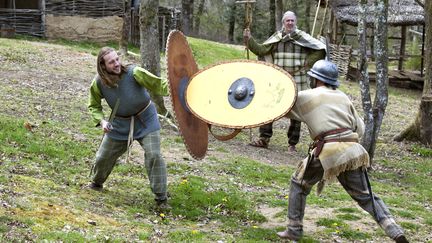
(113, 73)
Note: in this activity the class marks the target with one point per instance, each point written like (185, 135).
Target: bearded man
(295, 51)
(126, 90)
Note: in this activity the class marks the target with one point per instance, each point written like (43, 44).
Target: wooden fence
(32, 21)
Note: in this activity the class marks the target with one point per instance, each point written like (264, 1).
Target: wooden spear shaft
(248, 19)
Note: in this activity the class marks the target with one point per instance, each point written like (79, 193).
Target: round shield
(180, 67)
(241, 94)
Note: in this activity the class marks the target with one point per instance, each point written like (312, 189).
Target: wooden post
(43, 22)
(402, 48)
(162, 46)
(334, 30)
(323, 21)
(316, 16)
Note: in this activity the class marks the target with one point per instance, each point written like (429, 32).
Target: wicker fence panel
(23, 21)
(94, 8)
(341, 55)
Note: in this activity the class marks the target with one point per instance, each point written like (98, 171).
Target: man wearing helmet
(336, 153)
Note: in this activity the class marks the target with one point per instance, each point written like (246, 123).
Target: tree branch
(419, 3)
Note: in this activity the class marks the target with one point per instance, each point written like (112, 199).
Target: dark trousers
(266, 131)
(355, 184)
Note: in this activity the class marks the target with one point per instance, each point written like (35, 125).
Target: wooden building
(402, 16)
(95, 20)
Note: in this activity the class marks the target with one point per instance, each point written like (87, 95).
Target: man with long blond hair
(126, 90)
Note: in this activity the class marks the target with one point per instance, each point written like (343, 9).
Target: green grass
(194, 200)
(347, 216)
(186, 236)
(43, 172)
(342, 229)
(253, 172)
(209, 52)
(422, 151)
(256, 234)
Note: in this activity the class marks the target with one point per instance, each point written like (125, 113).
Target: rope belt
(131, 127)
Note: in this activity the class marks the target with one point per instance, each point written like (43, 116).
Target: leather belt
(320, 140)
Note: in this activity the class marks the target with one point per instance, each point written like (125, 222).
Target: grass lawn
(235, 194)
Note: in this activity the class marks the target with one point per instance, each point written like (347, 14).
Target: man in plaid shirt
(295, 51)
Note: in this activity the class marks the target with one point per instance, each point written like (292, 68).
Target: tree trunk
(149, 44)
(291, 5)
(426, 107)
(231, 21)
(421, 128)
(278, 13)
(272, 11)
(364, 76)
(198, 17)
(124, 40)
(187, 16)
(426, 120)
(307, 15)
(381, 63)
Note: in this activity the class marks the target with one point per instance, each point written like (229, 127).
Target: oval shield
(241, 94)
(180, 67)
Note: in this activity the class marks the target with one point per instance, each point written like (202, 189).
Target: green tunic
(154, 84)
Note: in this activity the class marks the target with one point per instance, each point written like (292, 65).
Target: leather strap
(320, 140)
(137, 114)
(224, 137)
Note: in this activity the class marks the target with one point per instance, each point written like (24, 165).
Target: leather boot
(286, 235)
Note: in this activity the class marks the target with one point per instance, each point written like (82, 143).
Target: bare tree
(187, 16)
(421, 128)
(374, 114)
(278, 13)
(198, 15)
(364, 74)
(124, 40)
(272, 22)
(231, 20)
(149, 44)
(291, 5)
(307, 3)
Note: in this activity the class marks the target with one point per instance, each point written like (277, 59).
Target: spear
(248, 18)
(248, 21)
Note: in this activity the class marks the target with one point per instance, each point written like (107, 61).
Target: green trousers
(110, 150)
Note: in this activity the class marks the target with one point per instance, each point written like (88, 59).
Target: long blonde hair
(107, 79)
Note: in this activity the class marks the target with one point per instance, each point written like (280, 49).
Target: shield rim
(247, 61)
(182, 127)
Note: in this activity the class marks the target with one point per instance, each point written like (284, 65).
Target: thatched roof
(401, 12)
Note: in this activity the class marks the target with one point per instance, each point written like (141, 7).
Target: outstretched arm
(257, 49)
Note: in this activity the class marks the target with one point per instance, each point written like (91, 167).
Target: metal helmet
(325, 71)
